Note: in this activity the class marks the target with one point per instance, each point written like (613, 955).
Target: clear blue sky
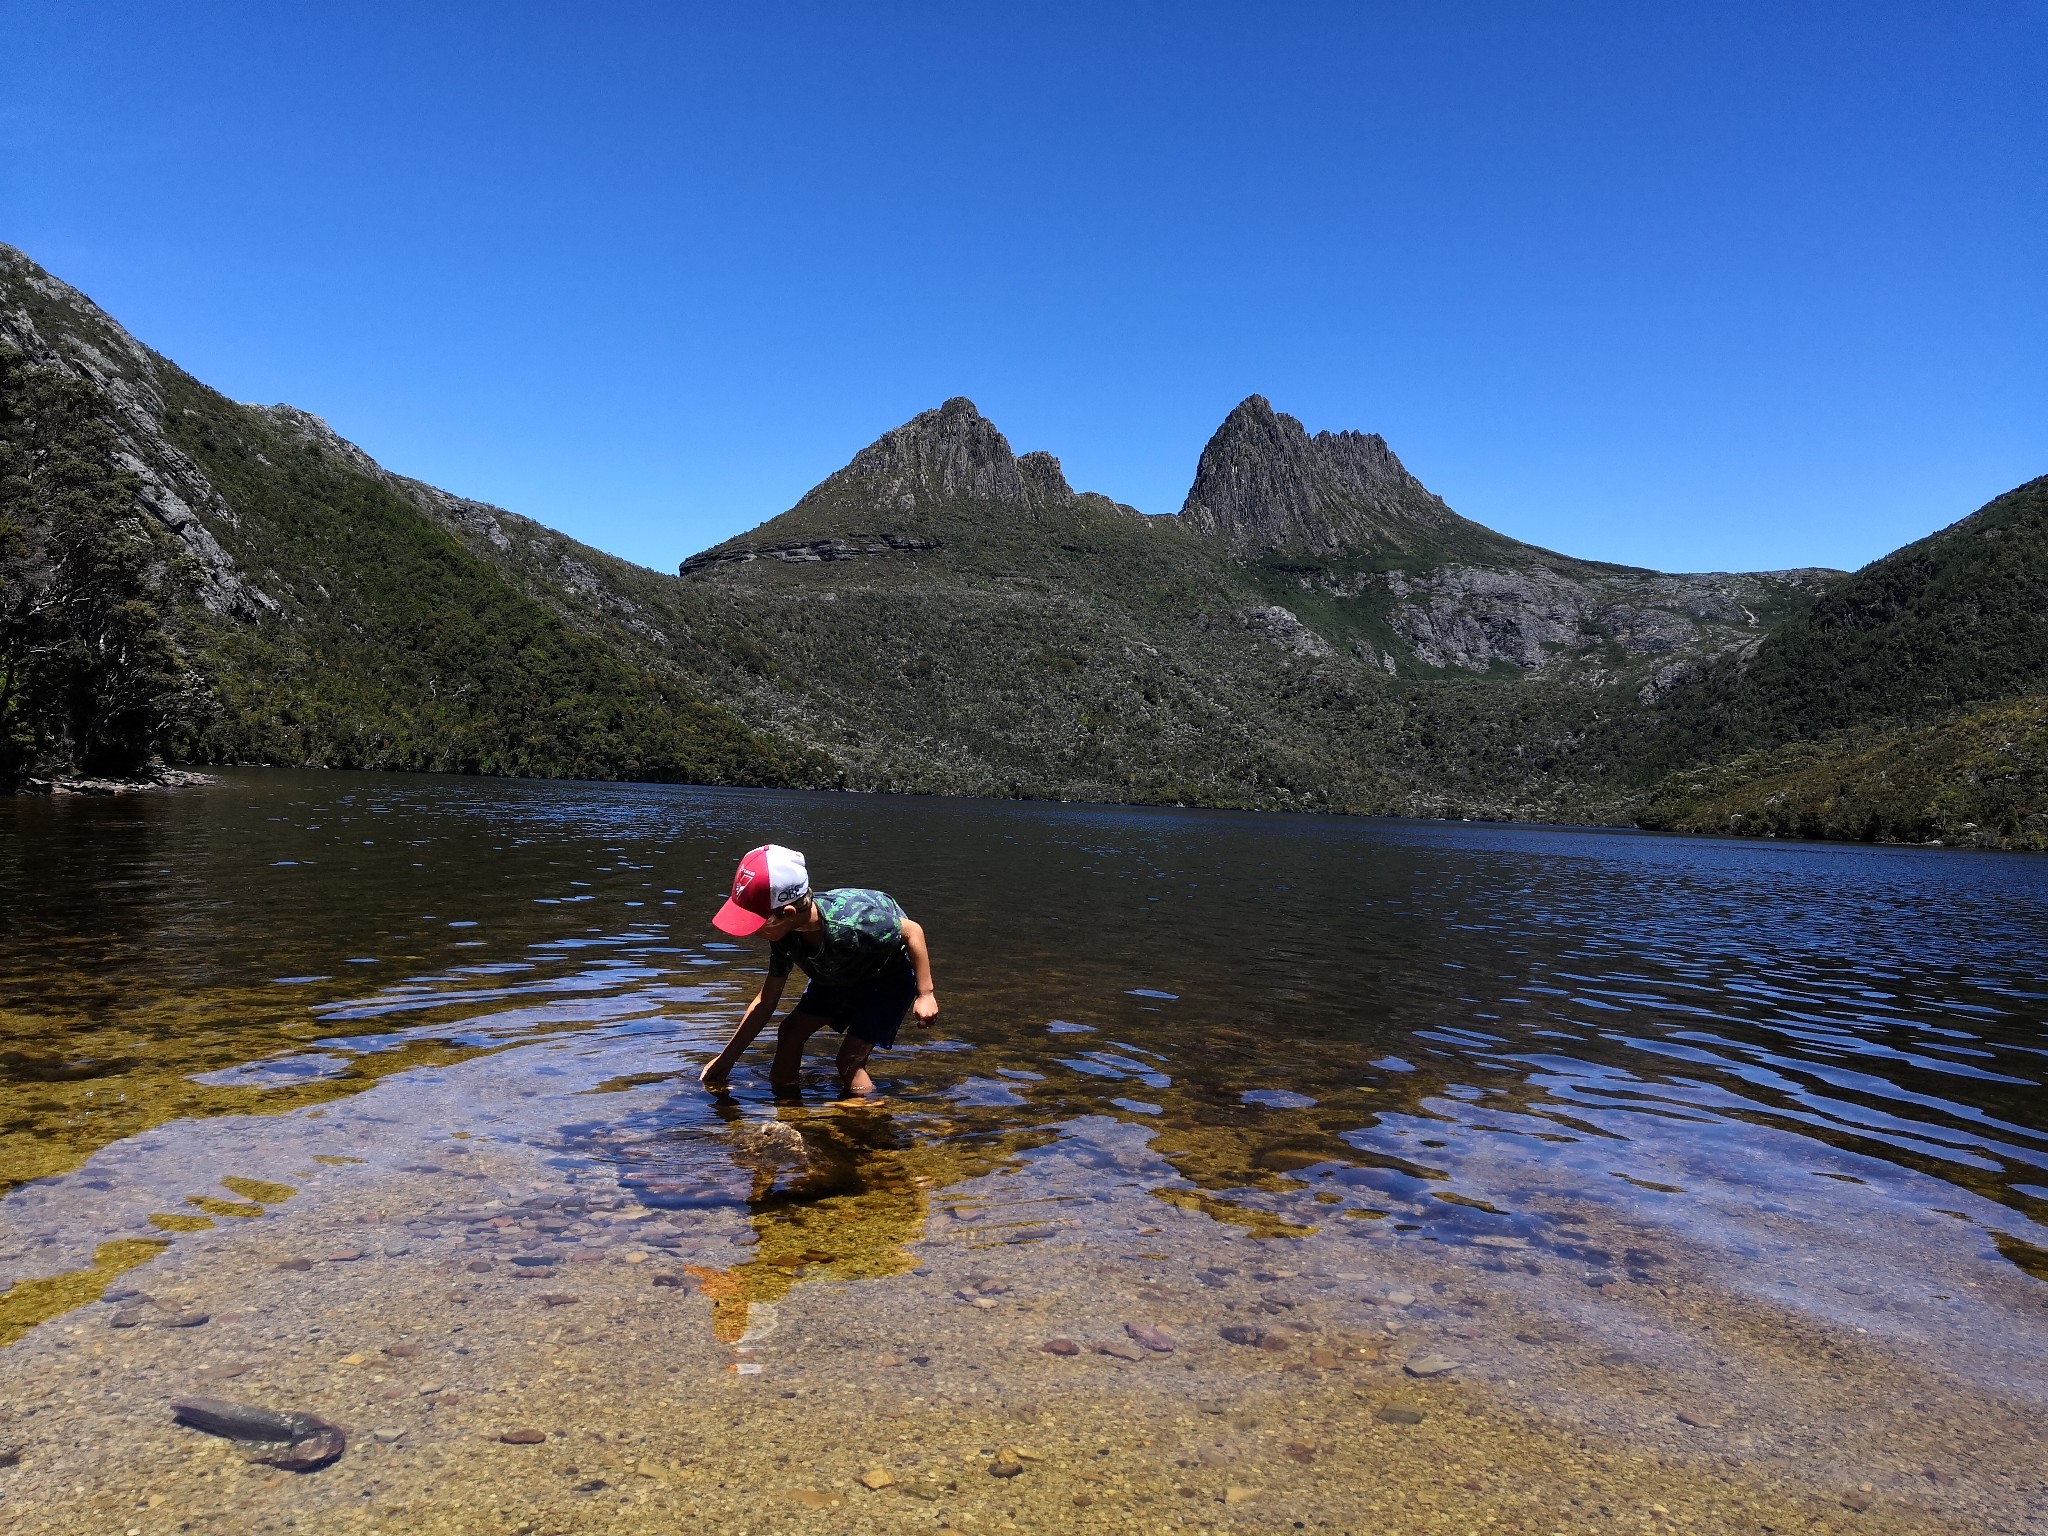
(1689, 285)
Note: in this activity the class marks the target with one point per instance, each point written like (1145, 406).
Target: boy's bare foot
(859, 1085)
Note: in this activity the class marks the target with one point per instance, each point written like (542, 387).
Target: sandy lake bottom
(1263, 1173)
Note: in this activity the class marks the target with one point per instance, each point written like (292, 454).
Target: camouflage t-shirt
(862, 937)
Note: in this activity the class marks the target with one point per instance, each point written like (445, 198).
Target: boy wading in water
(866, 962)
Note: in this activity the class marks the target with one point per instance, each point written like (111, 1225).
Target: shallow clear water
(1586, 1089)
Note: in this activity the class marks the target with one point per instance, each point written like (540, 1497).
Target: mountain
(1959, 618)
(1263, 484)
(304, 607)
(1313, 629)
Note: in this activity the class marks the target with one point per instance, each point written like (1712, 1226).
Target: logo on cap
(770, 877)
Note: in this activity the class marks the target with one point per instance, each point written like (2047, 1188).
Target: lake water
(1379, 1176)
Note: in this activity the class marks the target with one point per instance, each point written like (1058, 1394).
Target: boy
(866, 962)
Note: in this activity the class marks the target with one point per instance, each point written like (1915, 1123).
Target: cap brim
(736, 920)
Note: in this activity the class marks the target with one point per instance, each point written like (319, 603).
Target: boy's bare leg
(790, 1040)
(853, 1064)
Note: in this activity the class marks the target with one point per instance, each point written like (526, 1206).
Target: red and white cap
(770, 877)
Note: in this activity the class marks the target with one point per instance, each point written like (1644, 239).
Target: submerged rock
(304, 1441)
(1159, 1343)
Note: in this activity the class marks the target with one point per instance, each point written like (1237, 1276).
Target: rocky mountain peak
(949, 455)
(1264, 483)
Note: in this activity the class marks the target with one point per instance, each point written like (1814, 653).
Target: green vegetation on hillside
(398, 648)
(92, 678)
(1976, 779)
(1958, 619)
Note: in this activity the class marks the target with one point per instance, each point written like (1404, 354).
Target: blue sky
(1687, 285)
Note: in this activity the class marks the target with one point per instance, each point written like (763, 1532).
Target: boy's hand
(715, 1072)
(925, 1009)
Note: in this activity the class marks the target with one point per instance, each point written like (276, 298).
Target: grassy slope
(399, 648)
(1978, 778)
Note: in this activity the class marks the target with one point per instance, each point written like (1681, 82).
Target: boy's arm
(752, 1022)
(926, 1008)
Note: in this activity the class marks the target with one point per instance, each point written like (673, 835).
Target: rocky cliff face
(54, 324)
(953, 454)
(1545, 621)
(1264, 484)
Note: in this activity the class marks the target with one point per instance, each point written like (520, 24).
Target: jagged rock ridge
(1263, 483)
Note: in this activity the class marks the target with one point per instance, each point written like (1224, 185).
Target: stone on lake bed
(295, 1264)
(1159, 1343)
(345, 1256)
(523, 1437)
(559, 1299)
(1235, 1494)
(1007, 1463)
(1394, 1414)
(1060, 1346)
(478, 1266)
(1239, 1334)
(130, 1317)
(1120, 1352)
(877, 1478)
(193, 1319)
(1324, 1359)
(1400, 1299)
(816, 1498)
(1430, 1365)
(401, 1350)
(533, 1260)
(388, 1436)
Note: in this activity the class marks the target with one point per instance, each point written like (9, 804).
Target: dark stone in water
(402, 1351)
(1617, 1358)
(559, 1299)
(1392, 1415)
(1120, 1352)
(675, 1281)
(1060, 1347)
(478, 1266)
(1238, 1334)
(1159, 1343)
(131, 1317)
(186, 1320)
(533, 1260)
(523, 1437)
(296, 1264)
(304, 1442)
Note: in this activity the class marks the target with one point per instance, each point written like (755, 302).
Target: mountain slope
(334, 620)
(1975, 779)
(1959, 618)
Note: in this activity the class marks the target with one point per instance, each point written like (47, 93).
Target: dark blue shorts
(872, 1011)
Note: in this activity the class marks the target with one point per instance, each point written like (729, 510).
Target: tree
(91, 675)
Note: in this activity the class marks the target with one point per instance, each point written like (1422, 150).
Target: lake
(1360, 1175)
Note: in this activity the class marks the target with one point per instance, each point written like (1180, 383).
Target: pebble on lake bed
(1120, 1352)
(1394, 1414)
(1060, 1347)
(1159, 1343)
(877, 1478)
(1007, 1463)
(1430, 1365)
(523, 1437)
